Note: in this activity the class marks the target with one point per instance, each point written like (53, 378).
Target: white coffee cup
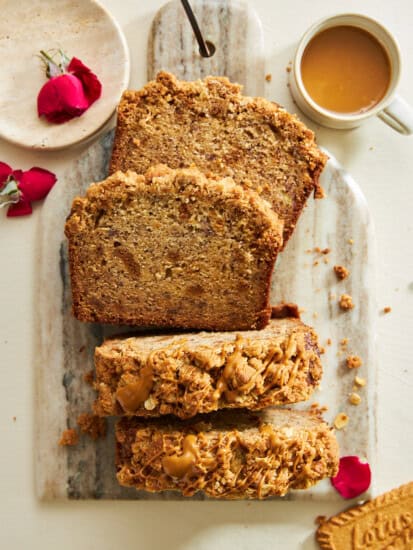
(392, 109)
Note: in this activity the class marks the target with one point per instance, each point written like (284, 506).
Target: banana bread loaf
(209, 123)
(172, 248)
(227, 454)
(188, 374)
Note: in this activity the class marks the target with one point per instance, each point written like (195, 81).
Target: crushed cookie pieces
(268, 77)
(353, 362)
(346, 302)
(341, 272)
(328, 342)
(92, 425)
(341, 421)
(326, 251)
(361, 382)
(386, 310)
(69, 438)
(350, 241)
(354, 398)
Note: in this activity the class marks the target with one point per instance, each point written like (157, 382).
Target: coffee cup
(389, 107)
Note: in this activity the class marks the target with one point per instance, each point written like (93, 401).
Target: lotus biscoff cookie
(385, 523)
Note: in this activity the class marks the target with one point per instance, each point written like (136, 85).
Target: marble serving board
(65, 346)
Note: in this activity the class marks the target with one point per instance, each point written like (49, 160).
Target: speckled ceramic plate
(82, 29)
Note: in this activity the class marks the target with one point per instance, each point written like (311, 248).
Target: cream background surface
(381, 161)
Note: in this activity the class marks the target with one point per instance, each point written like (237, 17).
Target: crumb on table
(69, 438)
(341, 272)
(346, 302)
(387, 309)
(328, 342)
(351, 241)
(353, 362)
(268, 77)
(319, 520)
(341, 421)
(92, 425)
(14, 418)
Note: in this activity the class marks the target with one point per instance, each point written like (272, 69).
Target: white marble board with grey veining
(340, 222)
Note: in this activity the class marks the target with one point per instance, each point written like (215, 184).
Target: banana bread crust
(172, 248)
(189, 374)
(227, 455)
(210, 123)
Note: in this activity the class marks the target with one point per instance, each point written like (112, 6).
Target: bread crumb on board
(353, 362)
(346, 302)
(354, 398)
(341, 421)
(268, 77)
(359, 381)
(89, 377)
(341, 272)
(69, 438)
(92, 425)
(386, 310)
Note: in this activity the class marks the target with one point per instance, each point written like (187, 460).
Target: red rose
(70, 90)
(19, 189)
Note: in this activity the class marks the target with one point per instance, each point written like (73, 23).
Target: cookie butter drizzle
(179, 466)
(134, 394)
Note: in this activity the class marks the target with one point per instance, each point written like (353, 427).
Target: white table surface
(381, 161)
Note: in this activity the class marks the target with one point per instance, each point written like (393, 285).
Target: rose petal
(91, 84)
(22, 208)
(5, 171)
(353, 478)
(36, 183)
(62, 98)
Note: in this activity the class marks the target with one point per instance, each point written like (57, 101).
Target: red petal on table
(36, 183)
(91, 84)
(62, 98)
(5, 171)
(22, 208)
(353, 478)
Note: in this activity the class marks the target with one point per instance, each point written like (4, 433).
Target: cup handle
(398, 115)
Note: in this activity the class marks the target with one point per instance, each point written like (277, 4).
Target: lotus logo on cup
(346, 69)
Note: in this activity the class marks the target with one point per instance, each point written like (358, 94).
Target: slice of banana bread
(188, 374)
(209, 123)
(227, 454)
(172, 248)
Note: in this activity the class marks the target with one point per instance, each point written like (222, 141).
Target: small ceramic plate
(81, 29)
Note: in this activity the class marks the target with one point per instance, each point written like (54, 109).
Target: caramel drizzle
(179, 466)
(133, 395)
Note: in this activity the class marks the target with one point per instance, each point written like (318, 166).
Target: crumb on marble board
(328, 342)
(353, 362)
(341, 272)
(92, 425)
(354, 398)
(89, 377)
(361, 382)
(346, 302)
(69, 438)
(386, 310)
(341, 421)
(268, 77)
